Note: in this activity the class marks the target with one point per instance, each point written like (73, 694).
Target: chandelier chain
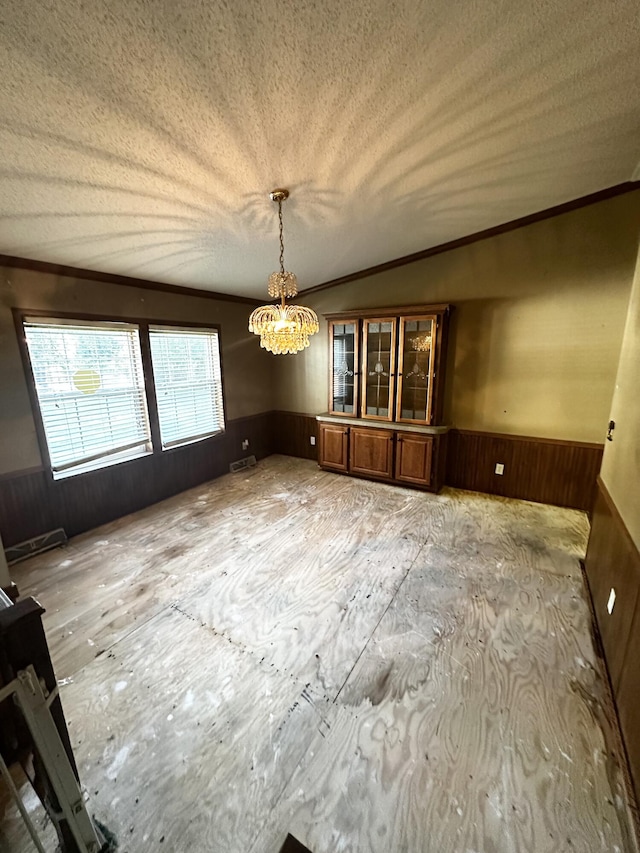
(281, 237)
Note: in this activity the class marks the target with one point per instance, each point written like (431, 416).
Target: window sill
(195, 440)
(99, 464)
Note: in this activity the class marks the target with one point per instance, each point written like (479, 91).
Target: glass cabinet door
(378, 367)
(343, 344)
(416, 369)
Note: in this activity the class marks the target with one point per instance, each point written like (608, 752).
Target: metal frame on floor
(28, 694)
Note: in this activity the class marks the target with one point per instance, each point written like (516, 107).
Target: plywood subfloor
(367, 667)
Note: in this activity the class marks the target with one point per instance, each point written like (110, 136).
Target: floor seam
(244, 649)
(375, 627)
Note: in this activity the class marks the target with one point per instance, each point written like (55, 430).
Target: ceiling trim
(548, 213)
(112, 278)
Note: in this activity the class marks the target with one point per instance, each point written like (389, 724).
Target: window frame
(163, 327)
(143, 323)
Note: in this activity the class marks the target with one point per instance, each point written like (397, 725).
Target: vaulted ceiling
(142, 138)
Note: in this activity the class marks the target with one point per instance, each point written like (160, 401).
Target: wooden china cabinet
(386, 388)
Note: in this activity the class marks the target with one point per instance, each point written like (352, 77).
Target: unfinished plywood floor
(367, 667)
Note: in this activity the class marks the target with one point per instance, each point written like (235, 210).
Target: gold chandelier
(422, 343)
(283, 328)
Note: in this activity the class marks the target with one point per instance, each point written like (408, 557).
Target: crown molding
(126, 281)
(521, 222)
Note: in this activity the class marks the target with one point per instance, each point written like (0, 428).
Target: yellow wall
(247, 368)
(621, 462)
(538, 322)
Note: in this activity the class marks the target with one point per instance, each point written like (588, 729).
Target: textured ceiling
(142, 137)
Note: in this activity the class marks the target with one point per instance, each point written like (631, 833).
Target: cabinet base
(433, 489)
(390, 455)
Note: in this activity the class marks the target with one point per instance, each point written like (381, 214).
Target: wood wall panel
(25, 507)
(628, 701)
(536, 469)
(544, 470)
(292, 432)
(613, 560)
(33, 503)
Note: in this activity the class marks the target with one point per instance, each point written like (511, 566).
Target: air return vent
(241, 464)
(36, 545)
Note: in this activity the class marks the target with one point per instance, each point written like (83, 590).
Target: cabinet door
(378, 368)
(343, 353)
(371, 453)
(414, 454)
(334, 447)
(416, 361)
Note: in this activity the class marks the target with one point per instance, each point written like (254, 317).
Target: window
(90, 387)
(187, 376)
(95, 408)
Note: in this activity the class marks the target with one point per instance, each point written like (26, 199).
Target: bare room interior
(319, 427)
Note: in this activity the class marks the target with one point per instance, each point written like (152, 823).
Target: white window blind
(188, 382)
(90, 387)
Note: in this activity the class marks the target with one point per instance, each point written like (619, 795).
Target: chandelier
(283, 328)
(422, 343)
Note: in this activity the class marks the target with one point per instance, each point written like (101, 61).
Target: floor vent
(36, 545)
(241, 464)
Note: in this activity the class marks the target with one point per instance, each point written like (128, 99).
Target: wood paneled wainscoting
(32, 503)
(292, 433)
(613, 562)
(535, 469)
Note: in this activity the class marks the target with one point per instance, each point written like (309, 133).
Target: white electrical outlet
(499, 468)
(245, 444)
(312, 439)
(612, 601)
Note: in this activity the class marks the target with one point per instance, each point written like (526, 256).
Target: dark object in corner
(292, 845)
(11, 591)
(110, 840)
